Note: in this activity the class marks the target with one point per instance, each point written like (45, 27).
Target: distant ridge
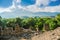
(24, 13)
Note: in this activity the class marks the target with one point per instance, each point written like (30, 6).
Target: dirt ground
(48, 35)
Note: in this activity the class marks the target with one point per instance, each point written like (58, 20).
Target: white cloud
(4, 9)
(33, 8)
(9, 9)
(18, 1)
(45, 9)
(44, 2)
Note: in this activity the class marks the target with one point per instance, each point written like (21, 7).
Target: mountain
(46, 13)
(15, 13)
(25, 13)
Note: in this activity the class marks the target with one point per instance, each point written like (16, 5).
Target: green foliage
(35, 23)
(58, 19)
(52, 25)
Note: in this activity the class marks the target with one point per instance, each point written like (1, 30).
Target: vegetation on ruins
(36, 23)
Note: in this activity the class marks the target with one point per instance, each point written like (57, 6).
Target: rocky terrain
(47, 35)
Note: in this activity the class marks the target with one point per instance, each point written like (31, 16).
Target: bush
(52, 25)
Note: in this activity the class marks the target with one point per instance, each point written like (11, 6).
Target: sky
(30, 5)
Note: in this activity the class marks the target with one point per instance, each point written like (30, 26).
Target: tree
(39, 23)
(52, 23)
(1, 24)
(18, 21)
(11, 22)
(0, 17)
(28, 23)
(57, 18)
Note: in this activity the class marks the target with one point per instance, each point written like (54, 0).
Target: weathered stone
(46, 27)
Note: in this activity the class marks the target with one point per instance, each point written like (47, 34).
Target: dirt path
(49, 35)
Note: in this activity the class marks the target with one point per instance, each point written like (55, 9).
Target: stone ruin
(46, 27)
(10, 31)
(16, 32)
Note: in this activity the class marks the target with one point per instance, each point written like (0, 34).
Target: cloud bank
(39, 6)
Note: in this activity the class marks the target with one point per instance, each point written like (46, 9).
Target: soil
(48, 35)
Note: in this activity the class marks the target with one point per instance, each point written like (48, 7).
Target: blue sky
(7, 3)
(27, 2)
(33, 6)
(56, 3)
